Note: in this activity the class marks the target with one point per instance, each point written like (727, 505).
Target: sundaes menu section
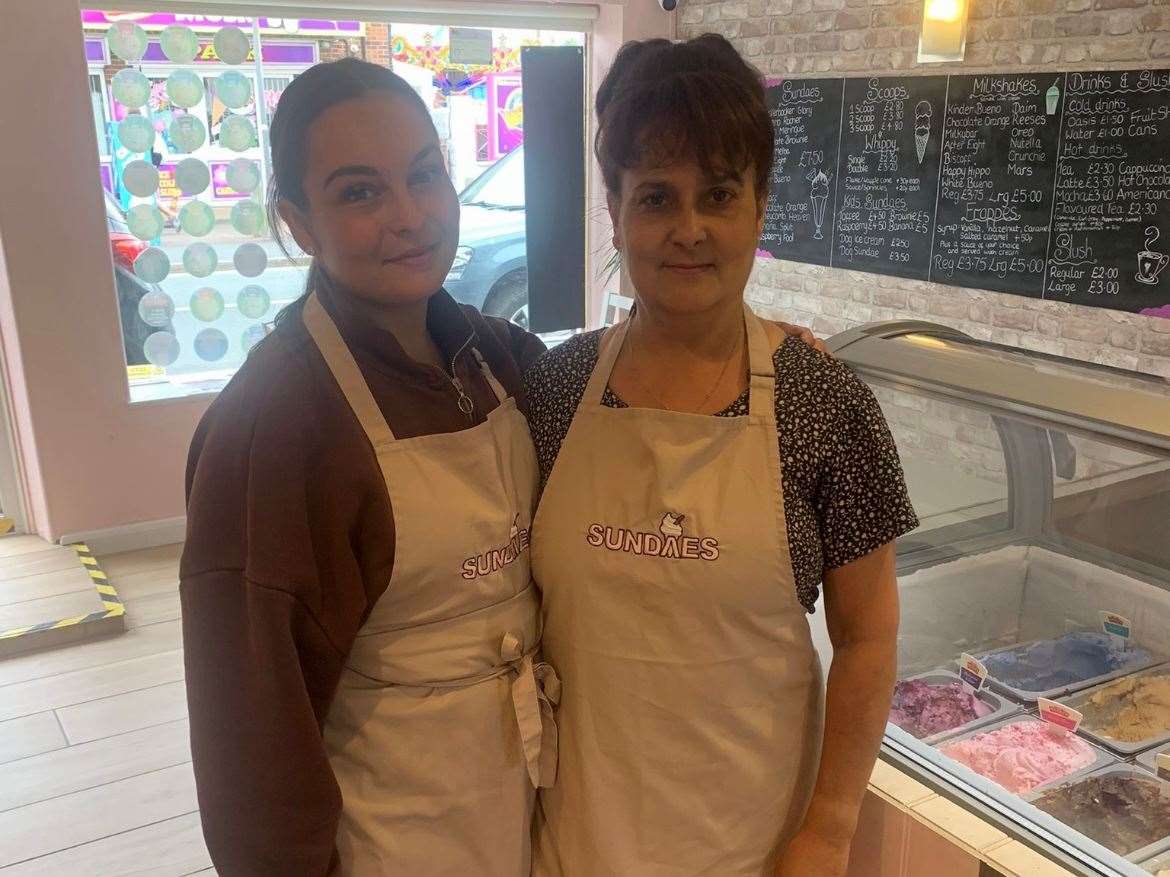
(995, 188)
(1053, 185)
(1111, 222)
(888, 174)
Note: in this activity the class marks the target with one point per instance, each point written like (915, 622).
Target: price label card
(972, 672)
(1117, 626)
(1163, 762)
(1056, 714)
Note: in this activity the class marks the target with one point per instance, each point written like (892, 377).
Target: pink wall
(91, 460)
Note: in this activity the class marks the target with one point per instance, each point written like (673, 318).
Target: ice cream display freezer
(1034, 650)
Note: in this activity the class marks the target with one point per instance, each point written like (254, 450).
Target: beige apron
(691, 716)
(441, 728)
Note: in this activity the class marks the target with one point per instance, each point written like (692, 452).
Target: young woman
(359, 619)
(702, 477)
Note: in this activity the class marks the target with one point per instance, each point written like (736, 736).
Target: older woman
(703, 476)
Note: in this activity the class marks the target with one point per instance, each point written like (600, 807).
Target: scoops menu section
(1053, 185)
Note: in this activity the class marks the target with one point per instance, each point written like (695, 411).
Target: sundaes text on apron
(498, 558)
(669, 542)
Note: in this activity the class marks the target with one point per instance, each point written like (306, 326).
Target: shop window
(181, 105)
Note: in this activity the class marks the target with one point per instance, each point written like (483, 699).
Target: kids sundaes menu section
(1052, 185)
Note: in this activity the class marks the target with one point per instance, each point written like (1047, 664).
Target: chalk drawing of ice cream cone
(922, 115)
(818, 195)
(671, 524)
(1150, 262)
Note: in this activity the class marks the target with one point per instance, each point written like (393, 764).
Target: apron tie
(536, 691)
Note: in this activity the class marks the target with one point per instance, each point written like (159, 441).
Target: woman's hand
(813, 854)
(802, 332)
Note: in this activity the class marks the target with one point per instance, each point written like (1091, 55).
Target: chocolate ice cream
(1121, 811)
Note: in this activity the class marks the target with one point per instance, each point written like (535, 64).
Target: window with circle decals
(181, 106)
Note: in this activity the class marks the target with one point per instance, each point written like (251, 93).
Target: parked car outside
(125, 248)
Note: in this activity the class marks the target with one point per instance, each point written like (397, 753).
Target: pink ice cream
(1022, 755)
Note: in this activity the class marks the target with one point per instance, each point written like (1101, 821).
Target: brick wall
(859, 37)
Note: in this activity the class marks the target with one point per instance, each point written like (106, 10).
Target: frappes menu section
(1052, 185)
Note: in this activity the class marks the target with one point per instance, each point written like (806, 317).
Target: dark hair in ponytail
(309, 95)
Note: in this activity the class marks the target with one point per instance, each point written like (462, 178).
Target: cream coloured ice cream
(1121, 811)
(1050, 664)
(1132, 709)
(924, 709)
(1023, 754)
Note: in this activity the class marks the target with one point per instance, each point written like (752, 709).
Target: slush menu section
(806, 115)
(995, 189)
(888, 174)
(1053, 185)
(1111, 222)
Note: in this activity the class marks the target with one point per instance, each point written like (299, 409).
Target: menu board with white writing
(888, 174)
(1052, 185)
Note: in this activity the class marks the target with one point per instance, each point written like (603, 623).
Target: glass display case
(1043, 490)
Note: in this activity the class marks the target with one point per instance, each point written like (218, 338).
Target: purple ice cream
(924, 709)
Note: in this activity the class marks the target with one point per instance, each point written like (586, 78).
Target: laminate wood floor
(95, 758)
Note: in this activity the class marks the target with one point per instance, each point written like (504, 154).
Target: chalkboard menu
(1053, 185)
(806, 115)
(888, 172)
(995, 192)
(1111, 222)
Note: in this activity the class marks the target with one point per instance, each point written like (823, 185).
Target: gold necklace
(646, 388)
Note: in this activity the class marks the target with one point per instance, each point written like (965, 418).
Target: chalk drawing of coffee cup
(1150, 262)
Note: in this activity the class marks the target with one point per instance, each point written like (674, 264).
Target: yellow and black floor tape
(111, 603)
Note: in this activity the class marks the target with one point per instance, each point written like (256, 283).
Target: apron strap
(608, 349)
(346, 372)
(763, 370)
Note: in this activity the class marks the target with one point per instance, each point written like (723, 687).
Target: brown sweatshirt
(290, 542)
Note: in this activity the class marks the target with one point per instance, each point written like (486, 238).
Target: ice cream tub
(1159, 866)
(1121, 807)
(929, 716)
(1128, 715)
(1052, 668)
(1149, 760)
(1023, 754)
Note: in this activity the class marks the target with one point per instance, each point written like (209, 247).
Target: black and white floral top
(844, 493)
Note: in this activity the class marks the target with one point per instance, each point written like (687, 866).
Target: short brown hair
(697, 99)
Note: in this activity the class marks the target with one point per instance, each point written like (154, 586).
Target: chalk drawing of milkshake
(1052, 98)
(922, 116)
(1150, 262)
(818, 195)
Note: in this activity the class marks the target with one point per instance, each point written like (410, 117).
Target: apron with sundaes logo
(691, 715)
(441, 728)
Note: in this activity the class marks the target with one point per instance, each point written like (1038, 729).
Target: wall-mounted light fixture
(944, 31)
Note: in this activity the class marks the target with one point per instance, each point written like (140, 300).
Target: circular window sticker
(136, 133)
(187, 133)
(179, 43)
(250, 260)
(161, 349)
(156, 309)
(192, 176)
(253, 302)
(252, 336)
(200, 260)
(130, 88)
(232, 45)
(153, 265)
(196, 219)
(211, 345)
(243, 175)
(140, 178)
(248, 217)
(237, 133)
(206, 305)
(234, 89)
(127, 40)
(145, 222)
(184, 88)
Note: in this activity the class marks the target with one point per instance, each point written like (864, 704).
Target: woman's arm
(861, 600)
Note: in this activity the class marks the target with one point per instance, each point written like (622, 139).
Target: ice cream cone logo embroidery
(496, 559)
(670, 542)
(922, 116)
(818, 195)
(1150, 262)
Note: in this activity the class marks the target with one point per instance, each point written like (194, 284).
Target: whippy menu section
(1052, 185)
